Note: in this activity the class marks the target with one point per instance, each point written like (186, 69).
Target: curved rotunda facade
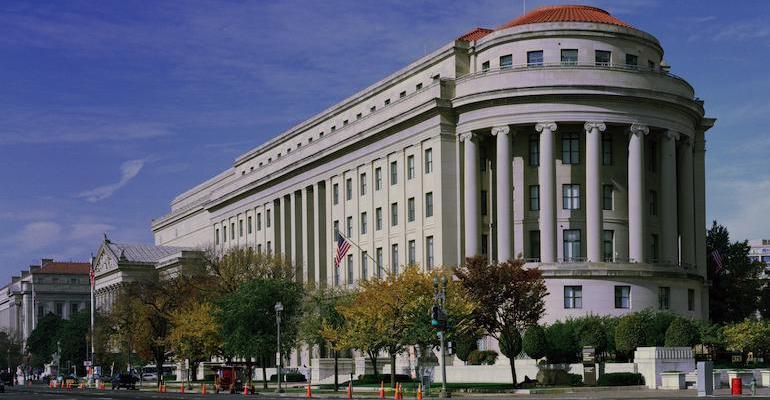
(560, 137)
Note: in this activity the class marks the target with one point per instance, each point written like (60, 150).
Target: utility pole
(278, 309)
(439, 322)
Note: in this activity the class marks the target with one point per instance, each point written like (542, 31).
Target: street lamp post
(278, 309)
(440, 300)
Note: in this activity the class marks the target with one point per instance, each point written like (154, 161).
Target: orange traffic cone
(203, 389)
(245, 390)
(382, 390)
(308, 392)
(400, 392)
(181, 388)
(350, 389)
(419, 391)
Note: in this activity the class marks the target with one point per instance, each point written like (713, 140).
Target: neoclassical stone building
(560, 137)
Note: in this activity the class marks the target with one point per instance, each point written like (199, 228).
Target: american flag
(717, 259)
(92, 275)
(343, 245)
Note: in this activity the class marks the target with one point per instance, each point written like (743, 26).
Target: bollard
(350, 390)
(419, 391)
(203, 389)
(181, 388)
(753, 386)
(308, 392)
(735, 386)
(382, 390)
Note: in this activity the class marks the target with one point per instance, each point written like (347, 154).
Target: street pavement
(44, 393)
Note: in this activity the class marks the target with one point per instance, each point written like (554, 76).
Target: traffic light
(435, 317)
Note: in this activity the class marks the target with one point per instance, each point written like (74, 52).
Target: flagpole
(93, 300)
(359, 248)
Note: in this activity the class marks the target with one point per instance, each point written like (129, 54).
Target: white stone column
(686, 210)
(504, 193)
(471, 194)
(547, 180)
(319, 216)
(636, 192)
(307, 243)
(594, 190)
(668, 216)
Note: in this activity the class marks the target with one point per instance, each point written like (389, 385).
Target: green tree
(748, 336)
(630, 333)
(41, 343)
(194, 333)
(563, 346)
(734, 292)
(507, 298)
(73, 336)
(682, 333)
(534, 342)
(464, 344)
(247, 320)
(11, 346)
(591, 331)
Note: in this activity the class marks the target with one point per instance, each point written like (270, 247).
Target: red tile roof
(475, 34)
(566, 13)
(68, 268)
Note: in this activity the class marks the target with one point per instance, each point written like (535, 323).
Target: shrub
(562, 345)
(558, 377)
(482, 357)
(681, 333)
(575, 380)
(621, 379)
(533, 343)
(371, 379)
(656, 325)
(510, 343)
(464, 345)
(591, 332)
(630, 333)
(289, 377)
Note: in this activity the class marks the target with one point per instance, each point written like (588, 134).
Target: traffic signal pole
(439, 321)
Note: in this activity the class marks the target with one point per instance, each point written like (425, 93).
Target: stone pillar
(594, 190)
(686, 210)
(668, 218)
(504, 194)
(547, 181)
(471, 194)
(308, 244)
(636, 192)
(319, 233)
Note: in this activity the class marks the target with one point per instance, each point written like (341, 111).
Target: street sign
(87, 363)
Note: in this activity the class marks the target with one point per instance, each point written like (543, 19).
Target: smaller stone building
(61, 288)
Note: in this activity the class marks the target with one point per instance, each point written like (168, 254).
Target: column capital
(503, 130)
(466, 136)
(671, 135)
(550, 125)
(639, 129)
(591, 125)
(685, 140)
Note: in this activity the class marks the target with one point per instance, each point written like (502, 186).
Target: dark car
(6, 378)
(124, 380)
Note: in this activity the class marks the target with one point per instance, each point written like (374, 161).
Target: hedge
(289, 377)
(482, 357)
(621, 379)
(371, 379)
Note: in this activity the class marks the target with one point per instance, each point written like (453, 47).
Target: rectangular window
(393, 173)
(652, 160)
(74, 308)
(377, 178)
(608, 245)
(534, 151)
(607, 195)
(570, 148)
(690, 299)
(336, 226)
(336, 194)
(632, 61)
(534, 197)
(259, 221)
(359, 115)
(364, 265)
(363, 223)
(418, 86)
(259, 248)
(484, 200)
(603, 57)
(622, 296)
(362, 184)
(606, 149)
(267, 218)
(573, 297)
(378, 257)
(349, 226)
(485, 66)
(269, 247)
(653, 202)
(378, 219)
(40, 311)
(402, 94)
(484, 244)
(569, 57)
(410, 209)
(570, 197)
(654, 248)
(240, 228)
(534, 245)
(410, 167)
(372, 109)
(651, 65)
(350, 269)
(387, 102)
(412, 252)
(349, 189)
(535, 58)
(428, 161)
(394, 258)
(248, 224)
(224, 233)
(664, 298)
(428, 204)
(571, 245)
(429, 252)
(232, 230)
(393, 214)
(60, 309)
(506, 61)
(216, 236)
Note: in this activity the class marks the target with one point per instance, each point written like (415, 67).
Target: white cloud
(39, 235)
(129, 170)
(82, 231)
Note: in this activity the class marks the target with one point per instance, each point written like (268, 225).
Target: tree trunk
(336, 374)
(513, 372)
(249, 368)
(159, 359)
(264, 373)
(392, 368)
(373, 357)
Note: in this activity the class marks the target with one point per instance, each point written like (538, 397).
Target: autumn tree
(195, 333)
(748, 336)
(322, 322)
(228, 269)
(508, 297)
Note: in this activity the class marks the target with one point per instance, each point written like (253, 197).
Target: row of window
(248, 229)
(410, 174)
(410, 216)
(345, 122)
(378, 261)
(572, 245)
(573, 297)
(42, 310)
(569, 57)
(570, 149)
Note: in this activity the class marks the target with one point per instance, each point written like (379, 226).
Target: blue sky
(108, 109)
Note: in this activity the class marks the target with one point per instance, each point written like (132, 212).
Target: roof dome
(566, 13)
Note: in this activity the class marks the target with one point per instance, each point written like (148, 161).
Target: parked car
(149, 376)
(124, 380)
